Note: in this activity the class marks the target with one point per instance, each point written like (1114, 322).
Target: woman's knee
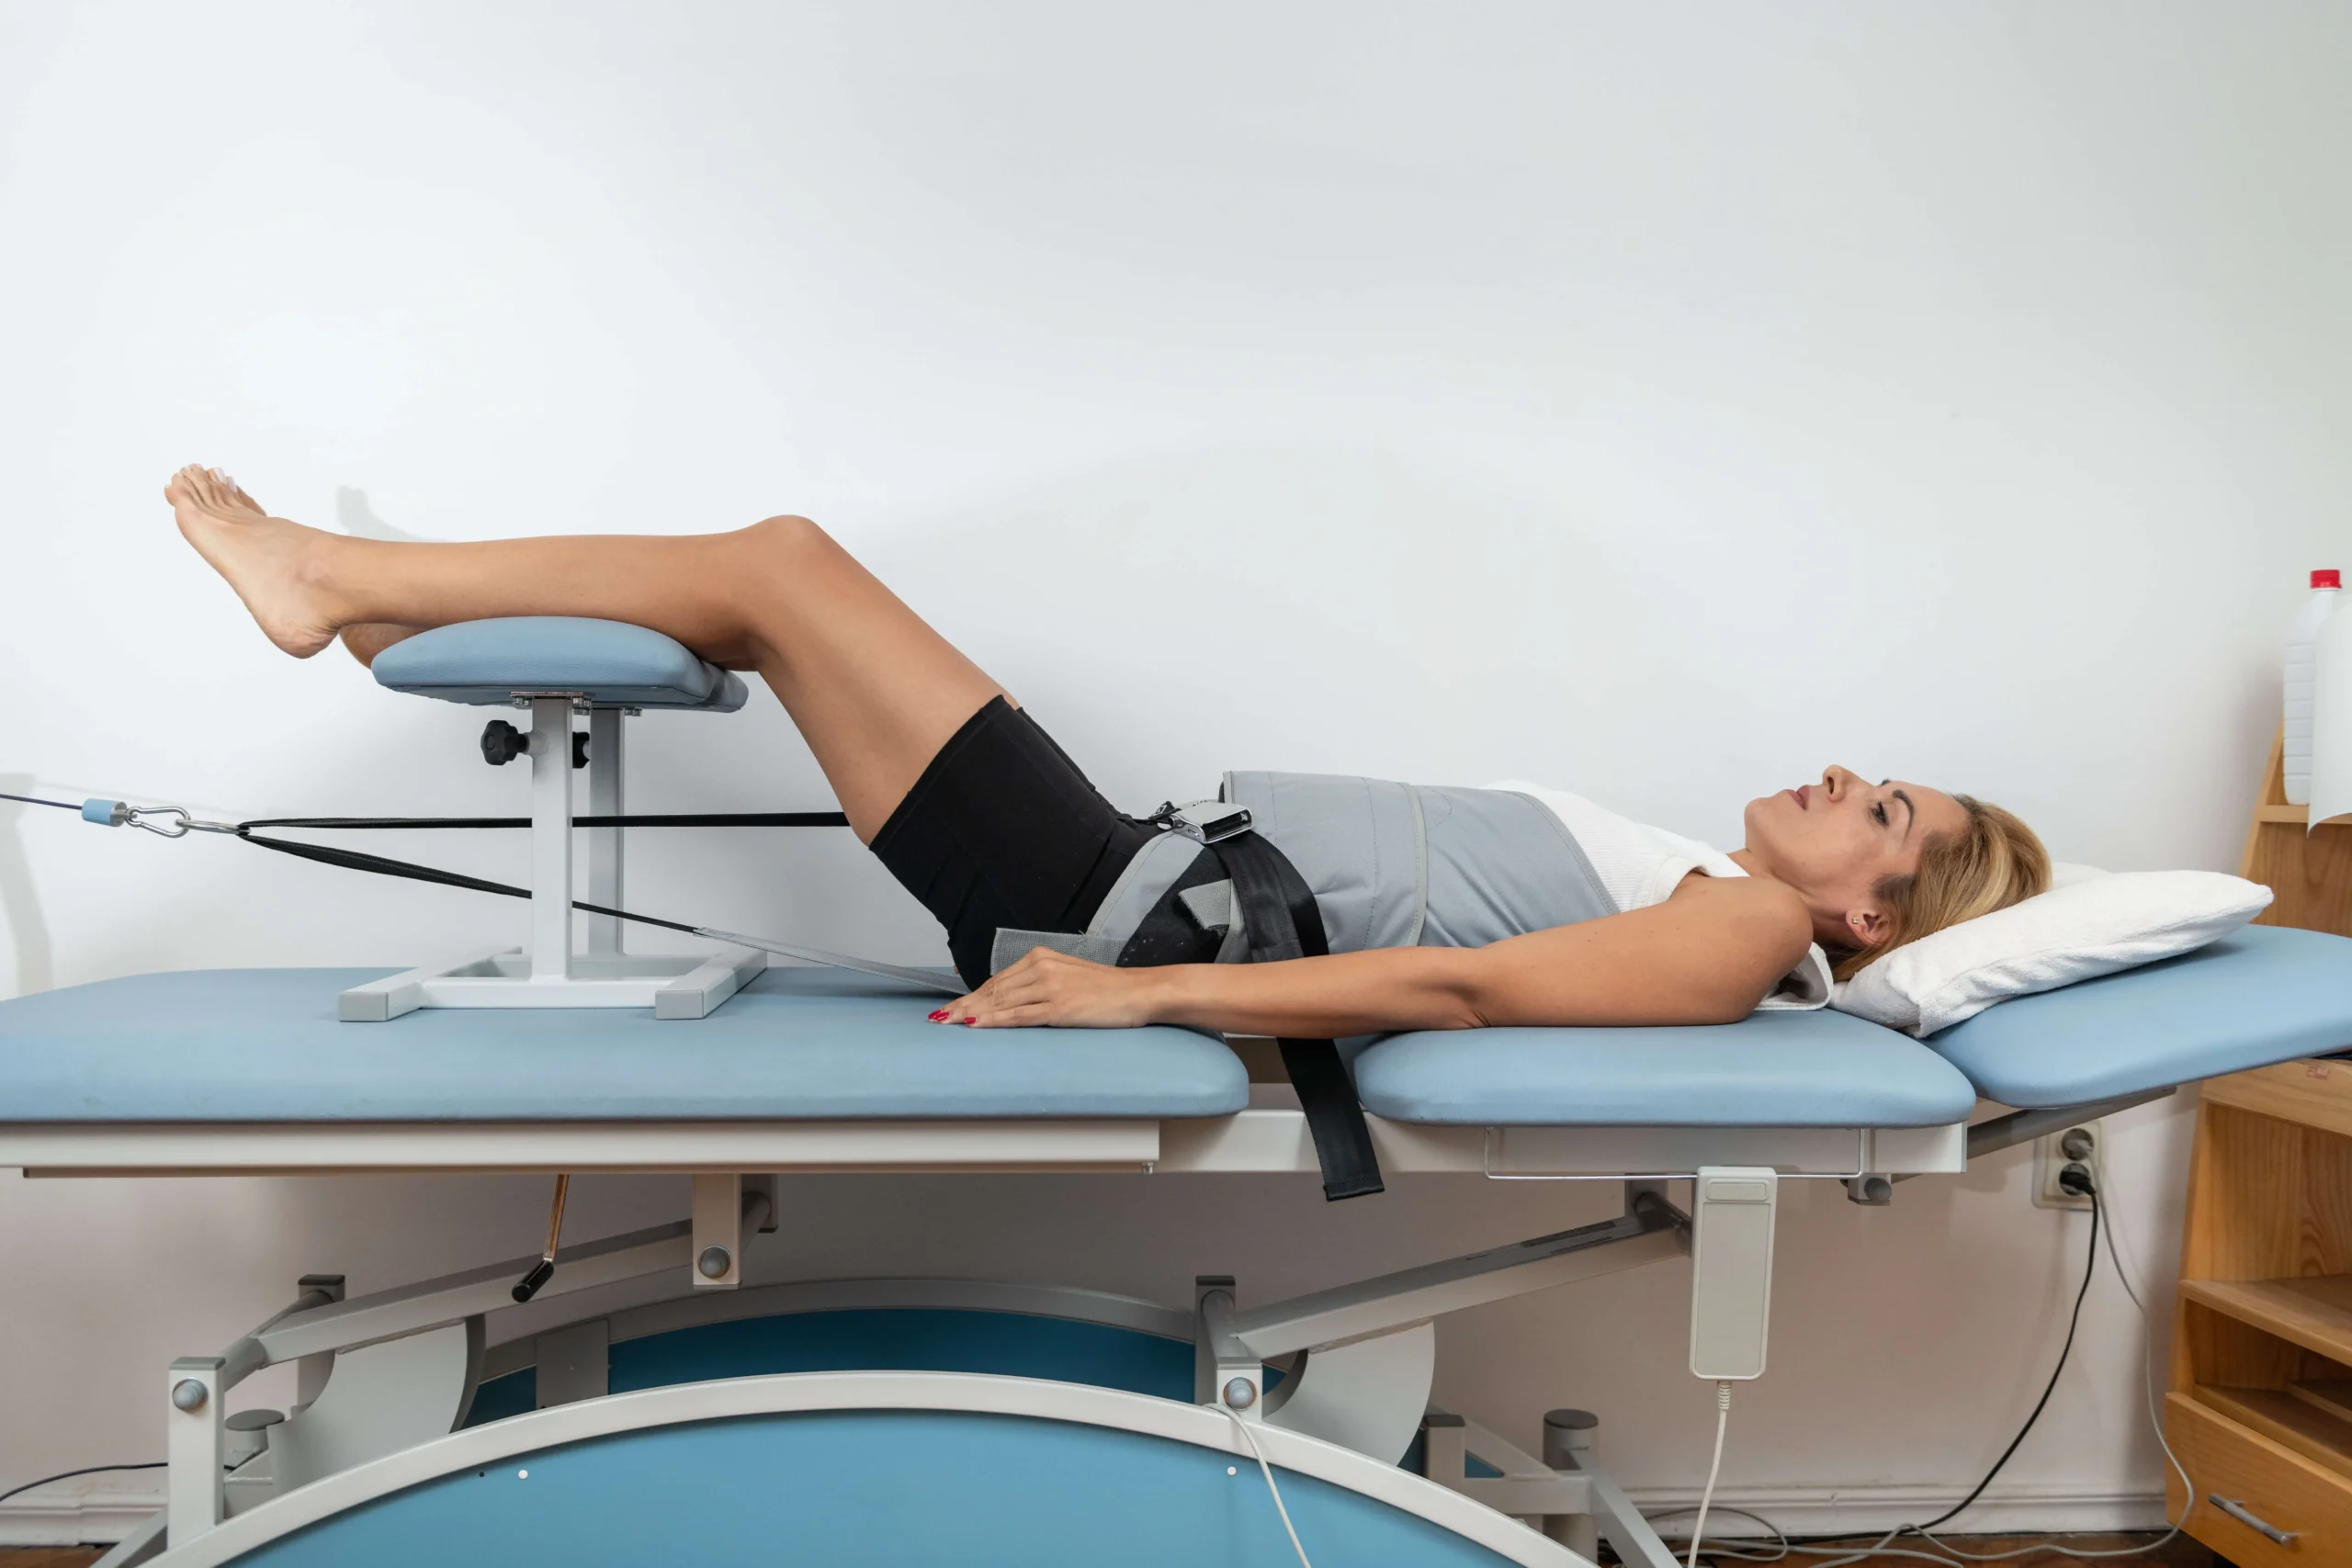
(786, 536)
(778, 570)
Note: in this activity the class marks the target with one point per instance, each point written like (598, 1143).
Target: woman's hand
(1049, 988)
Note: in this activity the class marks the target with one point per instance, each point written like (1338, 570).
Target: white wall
(1663, 401)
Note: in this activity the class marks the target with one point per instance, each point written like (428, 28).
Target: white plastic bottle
(2303, 632)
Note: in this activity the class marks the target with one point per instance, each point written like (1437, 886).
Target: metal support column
(1567, 1448)
(192, 1498)
(718, 1233)
(310, 1372)
(550, 838)
(1226, 1373)
(606, 797)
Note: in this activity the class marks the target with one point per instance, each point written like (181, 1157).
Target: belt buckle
(1204, 821)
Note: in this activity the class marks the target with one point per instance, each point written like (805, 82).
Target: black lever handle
(544, 1271)
(530, 1284)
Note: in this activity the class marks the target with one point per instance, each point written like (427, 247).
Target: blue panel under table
(1772, 1069)
(927, 1339)
(263, 1045)
(611, 663)
(2264, 994)
(870, 1489)
(930, 1339)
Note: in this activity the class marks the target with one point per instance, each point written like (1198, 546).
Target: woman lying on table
(1366, 906)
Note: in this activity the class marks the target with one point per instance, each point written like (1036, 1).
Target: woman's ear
(1866, 928)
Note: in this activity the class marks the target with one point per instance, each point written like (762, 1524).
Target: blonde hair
(1993, 862)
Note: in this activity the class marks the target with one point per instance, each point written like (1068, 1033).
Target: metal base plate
(685, 986)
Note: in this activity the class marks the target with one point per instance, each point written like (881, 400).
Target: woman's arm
(1706, 955)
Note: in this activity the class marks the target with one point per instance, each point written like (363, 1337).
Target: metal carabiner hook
(163, 821)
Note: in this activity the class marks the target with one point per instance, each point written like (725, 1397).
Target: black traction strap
(359, 860)
(639, 819)
(383, 865)
(1278, 910)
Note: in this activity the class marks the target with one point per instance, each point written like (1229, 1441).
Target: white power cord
(1268, 1471)
(2148, 1358)
(1715, 1469)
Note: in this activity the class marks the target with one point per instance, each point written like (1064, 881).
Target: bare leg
(873, 690)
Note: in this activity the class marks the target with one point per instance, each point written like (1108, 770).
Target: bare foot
(236, 496)
(270, 562)
(362, 639)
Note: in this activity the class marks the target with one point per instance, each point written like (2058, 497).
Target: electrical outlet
(2053, 1152)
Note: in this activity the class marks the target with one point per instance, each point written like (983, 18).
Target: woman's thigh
(874, 690)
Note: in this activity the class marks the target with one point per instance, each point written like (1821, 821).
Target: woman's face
(1833, 841)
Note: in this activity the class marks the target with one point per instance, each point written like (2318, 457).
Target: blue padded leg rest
(612, 663)
(2261, 995)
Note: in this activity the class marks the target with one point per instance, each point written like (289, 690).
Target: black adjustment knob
(502, 743)
(579, 747)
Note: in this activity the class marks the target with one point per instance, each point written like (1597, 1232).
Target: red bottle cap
(2327, 578)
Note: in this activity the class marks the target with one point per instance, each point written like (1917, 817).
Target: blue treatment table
(904, 1421)
(815, 1069)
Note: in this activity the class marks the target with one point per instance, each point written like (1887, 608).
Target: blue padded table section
(2264, 994)
(262, 1045)
(614, 664)
(1772, 1069)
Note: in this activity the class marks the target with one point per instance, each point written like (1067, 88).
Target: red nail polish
(971, 1020)
(937, 1014)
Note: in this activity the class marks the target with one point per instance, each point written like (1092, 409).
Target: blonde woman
(1350, 907)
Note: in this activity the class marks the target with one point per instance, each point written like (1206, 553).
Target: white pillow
(2090, 923)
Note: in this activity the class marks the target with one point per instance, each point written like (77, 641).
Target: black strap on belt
(1278, 908)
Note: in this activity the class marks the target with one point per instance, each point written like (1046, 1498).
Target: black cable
(641, 820)
(2090, 1267)
(89, 1469)
(383, 865)
(34, 800)
(665, 820)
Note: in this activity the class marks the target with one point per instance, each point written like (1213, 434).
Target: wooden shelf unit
(2260, 1411)
(2261, 1404)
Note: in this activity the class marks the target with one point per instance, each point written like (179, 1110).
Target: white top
(1640, 865)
